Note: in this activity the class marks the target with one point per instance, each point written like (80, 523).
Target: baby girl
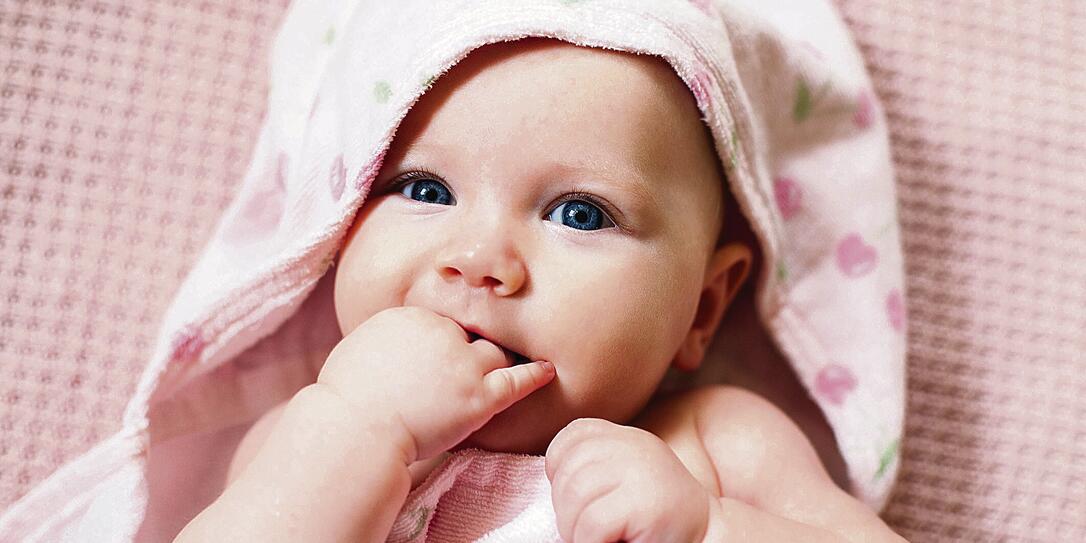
(543, 242)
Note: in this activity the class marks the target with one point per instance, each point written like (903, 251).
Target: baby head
(566, 203)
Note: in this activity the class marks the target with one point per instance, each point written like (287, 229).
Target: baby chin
(526, 427)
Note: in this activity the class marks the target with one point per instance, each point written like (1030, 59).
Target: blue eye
(428, 191)
(581, 215)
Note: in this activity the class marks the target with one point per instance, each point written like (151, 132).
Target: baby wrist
(293, 489)
(372, 432)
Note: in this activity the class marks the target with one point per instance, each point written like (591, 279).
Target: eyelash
(415, 175)
(590, 198)
(575, 194)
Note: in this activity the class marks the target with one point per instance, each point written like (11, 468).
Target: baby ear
(727, 270)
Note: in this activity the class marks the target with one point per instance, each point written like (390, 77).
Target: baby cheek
(616, 363)
(364, 287)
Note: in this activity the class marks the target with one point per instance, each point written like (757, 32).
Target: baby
(543, 242)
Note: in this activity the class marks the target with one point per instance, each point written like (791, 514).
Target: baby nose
(484, 265)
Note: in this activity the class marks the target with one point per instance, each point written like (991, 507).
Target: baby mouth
(514, 357)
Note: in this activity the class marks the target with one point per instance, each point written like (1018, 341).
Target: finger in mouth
(516, 357)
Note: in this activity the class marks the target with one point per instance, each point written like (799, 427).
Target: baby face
(564, 203)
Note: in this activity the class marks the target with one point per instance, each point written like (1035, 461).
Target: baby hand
(618, 483)
(413, 373)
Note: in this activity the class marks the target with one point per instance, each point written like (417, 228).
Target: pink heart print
(834, 383)
(337, 178)
(706, 6)
(865, 110)
(187, 345)
(259, 216)
(895, 310)
(854, 257)
(788, 195)
(815, 51)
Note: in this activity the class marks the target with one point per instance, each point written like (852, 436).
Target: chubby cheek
(618, 337)
(365, 285)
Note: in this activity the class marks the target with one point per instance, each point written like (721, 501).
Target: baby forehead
(558, 91)
(634, 83)
(533, 69)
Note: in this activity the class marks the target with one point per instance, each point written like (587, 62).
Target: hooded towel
(795, 123)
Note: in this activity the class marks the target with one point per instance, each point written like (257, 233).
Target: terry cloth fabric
(479, 496)
(795, 123)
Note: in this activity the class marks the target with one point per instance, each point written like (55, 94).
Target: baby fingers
(603, 520)
(571, 438)
(505, 386)
(577, 495)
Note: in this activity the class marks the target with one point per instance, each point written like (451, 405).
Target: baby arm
(318, 476)
(760, 478)
(773, 486)
(406, 385)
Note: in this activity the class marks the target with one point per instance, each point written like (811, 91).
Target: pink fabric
(124, 131)
(479, 496)
(986, 102)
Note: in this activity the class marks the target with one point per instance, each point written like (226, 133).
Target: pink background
(124, 130)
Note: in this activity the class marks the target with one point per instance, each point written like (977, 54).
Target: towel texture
(480, 496)
(796, 125)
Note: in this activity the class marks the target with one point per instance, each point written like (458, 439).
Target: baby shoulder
(750, 443)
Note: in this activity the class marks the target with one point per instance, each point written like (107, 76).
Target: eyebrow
(633, 179)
